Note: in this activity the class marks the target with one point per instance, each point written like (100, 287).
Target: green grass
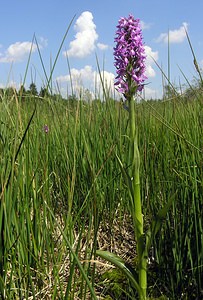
(63, 196)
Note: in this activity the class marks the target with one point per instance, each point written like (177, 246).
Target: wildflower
(46, 128)
(130, 58)
(129, 55)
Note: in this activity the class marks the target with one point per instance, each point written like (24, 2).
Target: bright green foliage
(61, 192)
(65, 184)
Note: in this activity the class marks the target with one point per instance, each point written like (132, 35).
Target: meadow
(63, 197)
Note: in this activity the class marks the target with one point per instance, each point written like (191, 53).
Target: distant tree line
(191, 92)
(44, 92)
(24, 93)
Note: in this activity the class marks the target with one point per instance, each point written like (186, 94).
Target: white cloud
(85, 38)
(78, 76)
(144, 25)
(10, 84)
(43, 42)
(151, 56)
(175, 36)
(151, 93)
(87, 78)
(102, 46)
(17, 52)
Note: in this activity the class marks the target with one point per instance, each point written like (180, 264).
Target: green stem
(137, 205)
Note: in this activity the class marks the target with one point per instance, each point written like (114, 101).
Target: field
(63, 197)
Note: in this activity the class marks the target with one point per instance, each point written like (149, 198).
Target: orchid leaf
(120, 264)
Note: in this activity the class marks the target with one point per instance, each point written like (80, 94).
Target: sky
(38, 27)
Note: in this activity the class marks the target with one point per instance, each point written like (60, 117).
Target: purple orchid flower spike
(129, 55)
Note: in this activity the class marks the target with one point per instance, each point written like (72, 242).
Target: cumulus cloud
(10, 84)
(151, 93)
(87, 78)
(17, 52)
(43, 42)
(85, 38)
(102, 46)
(144, 25)
(175, 36)
(78, 75)
(151, 56)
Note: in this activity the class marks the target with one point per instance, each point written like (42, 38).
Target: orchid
(130, 58)
(129, 55)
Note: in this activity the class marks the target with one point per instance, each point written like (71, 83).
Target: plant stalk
(136, 197)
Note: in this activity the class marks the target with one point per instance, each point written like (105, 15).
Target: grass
(63, 196)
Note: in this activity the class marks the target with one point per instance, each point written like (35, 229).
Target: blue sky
(93, 32)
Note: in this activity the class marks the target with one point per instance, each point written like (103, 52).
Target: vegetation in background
(63, 187)
(62, 195)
